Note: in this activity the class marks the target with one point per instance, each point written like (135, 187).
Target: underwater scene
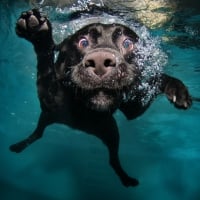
(161, 147)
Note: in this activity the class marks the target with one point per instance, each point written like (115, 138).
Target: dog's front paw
(178, 94)
(31, 25)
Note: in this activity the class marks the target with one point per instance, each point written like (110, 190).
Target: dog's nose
(101, 62)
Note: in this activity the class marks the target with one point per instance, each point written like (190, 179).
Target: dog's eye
(83, 43)
(128, 44)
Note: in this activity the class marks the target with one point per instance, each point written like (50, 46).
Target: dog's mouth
(116, 79)
(102, 93)
(100, 78)
(101, 99)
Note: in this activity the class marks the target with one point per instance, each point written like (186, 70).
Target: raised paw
(32, 25)
(178, 94)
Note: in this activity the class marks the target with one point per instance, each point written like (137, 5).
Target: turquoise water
(161, 148)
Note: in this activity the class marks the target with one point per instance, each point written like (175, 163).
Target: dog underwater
(96, 72)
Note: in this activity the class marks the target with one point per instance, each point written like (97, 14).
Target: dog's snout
(101, 62)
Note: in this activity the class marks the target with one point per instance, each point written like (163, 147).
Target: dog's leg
(111, 139)
(44, 120)
(36, 28)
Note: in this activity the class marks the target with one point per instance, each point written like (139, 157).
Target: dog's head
(98, 62)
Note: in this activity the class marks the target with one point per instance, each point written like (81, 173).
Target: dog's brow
(117, 32)
(94, 32)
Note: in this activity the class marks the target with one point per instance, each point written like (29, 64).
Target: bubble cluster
(150, 59)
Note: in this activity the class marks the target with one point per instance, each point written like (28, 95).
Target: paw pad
(30, 23)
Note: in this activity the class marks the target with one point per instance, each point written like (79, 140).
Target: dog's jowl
(87, 83)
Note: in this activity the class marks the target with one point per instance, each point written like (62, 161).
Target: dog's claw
(174, 99)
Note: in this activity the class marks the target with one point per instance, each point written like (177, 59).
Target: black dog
(95, 68)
